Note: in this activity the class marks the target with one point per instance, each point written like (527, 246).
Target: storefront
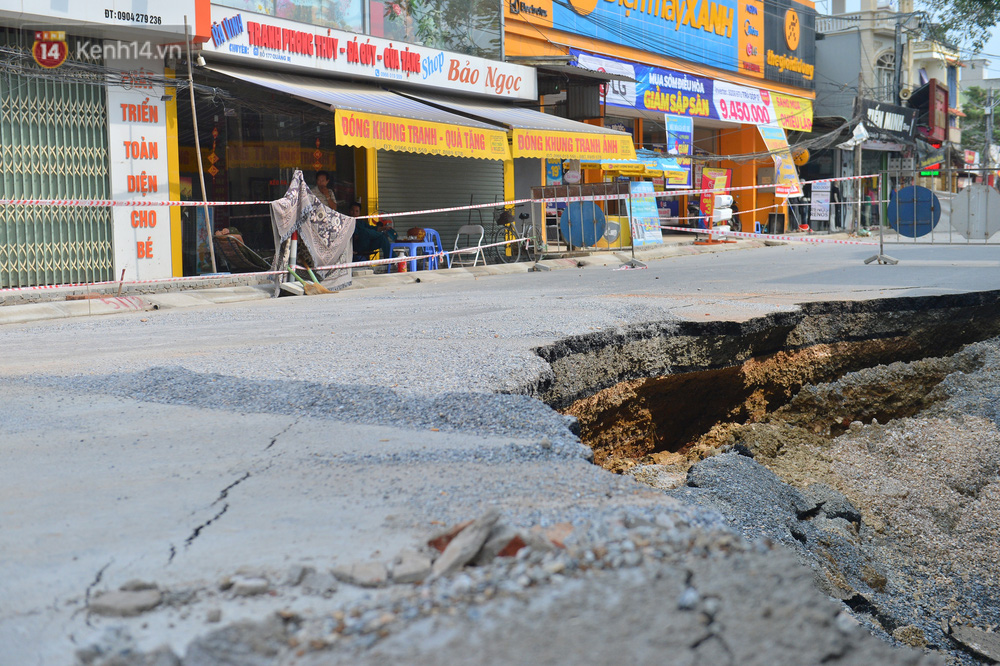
(702, 80)
(88, 113)
(398, 126)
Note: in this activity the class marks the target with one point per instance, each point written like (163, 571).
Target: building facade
(698, 79)
(87, 112)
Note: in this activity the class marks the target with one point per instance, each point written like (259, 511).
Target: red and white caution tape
(745, 234)
(89, 203)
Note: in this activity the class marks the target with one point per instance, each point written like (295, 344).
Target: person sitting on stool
(366, 237)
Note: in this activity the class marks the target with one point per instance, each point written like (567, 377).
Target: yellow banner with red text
(546, 144)
(371, 130)
(794, 113)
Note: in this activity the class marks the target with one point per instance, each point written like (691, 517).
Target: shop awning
(542, 135)
(370, 117)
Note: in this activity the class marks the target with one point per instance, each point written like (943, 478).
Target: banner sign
(794, 113)
(681, 94)
(263, 39)
(545, 144)
(718, 180)
(790, 43)
(617, 93)
(680, 138)
(819, 207)
(739, 104)
(372, 130)
(888, 121)
(138, 146)
(786, 177)
(644, 216)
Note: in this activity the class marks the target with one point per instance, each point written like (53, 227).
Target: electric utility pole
(897, 55)
(989, 133)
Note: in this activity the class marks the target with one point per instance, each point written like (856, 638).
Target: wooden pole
(197, 145)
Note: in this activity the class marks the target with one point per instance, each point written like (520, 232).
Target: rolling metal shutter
(409, 181)
(54, 145)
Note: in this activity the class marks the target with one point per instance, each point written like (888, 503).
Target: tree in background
(974, 123)
(967, 21)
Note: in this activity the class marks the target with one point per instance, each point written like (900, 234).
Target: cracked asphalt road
(179, 446)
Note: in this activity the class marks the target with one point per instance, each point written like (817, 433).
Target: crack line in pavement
(93, 584)
(225, 491)
(197, 530)
(275, 438)
(223, 494)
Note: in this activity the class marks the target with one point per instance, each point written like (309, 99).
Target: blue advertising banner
(681, 94)
(703, 31)
(643, 214)
(680, 138)
(655, 89)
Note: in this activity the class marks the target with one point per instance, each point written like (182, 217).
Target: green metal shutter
(54, 134)
(410, 181)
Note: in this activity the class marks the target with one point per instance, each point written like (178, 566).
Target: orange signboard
(751, 32)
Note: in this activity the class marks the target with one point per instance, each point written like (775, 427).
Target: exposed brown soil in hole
(678, 419)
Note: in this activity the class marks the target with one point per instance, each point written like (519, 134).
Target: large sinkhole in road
(654, 392)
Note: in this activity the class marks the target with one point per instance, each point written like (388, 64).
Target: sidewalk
(35, 305)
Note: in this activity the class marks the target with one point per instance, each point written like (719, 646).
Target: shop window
(341, 14)
(620, 124)
(654, 135)
(464, 26)
(885, 77)
(706, 140)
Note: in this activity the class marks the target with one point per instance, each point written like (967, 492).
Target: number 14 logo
(50, 48)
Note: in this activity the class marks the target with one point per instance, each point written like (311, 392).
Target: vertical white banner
(137, 148)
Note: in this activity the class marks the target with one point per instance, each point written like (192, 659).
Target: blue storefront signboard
(703, 31)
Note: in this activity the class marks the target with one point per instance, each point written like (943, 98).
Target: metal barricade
(946, 207)
(587, 216)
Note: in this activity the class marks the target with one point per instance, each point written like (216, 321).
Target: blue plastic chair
(433, 236)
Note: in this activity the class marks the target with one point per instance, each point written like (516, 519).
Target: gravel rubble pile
(586, 574)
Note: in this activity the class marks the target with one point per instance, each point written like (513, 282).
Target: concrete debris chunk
(441, 540)
(984, 643)
(248, 587)
(213, 615)
(363, 574)
(411, 567)
(125, 603)
(503, 541)
(465, 545)
(536, 541)
(240, 644)
(295, 574)
(558, 534)
(319, 582)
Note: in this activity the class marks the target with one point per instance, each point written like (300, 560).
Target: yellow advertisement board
(545, 144)
(371, 130)
(794, 113)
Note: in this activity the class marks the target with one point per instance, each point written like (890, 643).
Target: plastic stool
(757, 228)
